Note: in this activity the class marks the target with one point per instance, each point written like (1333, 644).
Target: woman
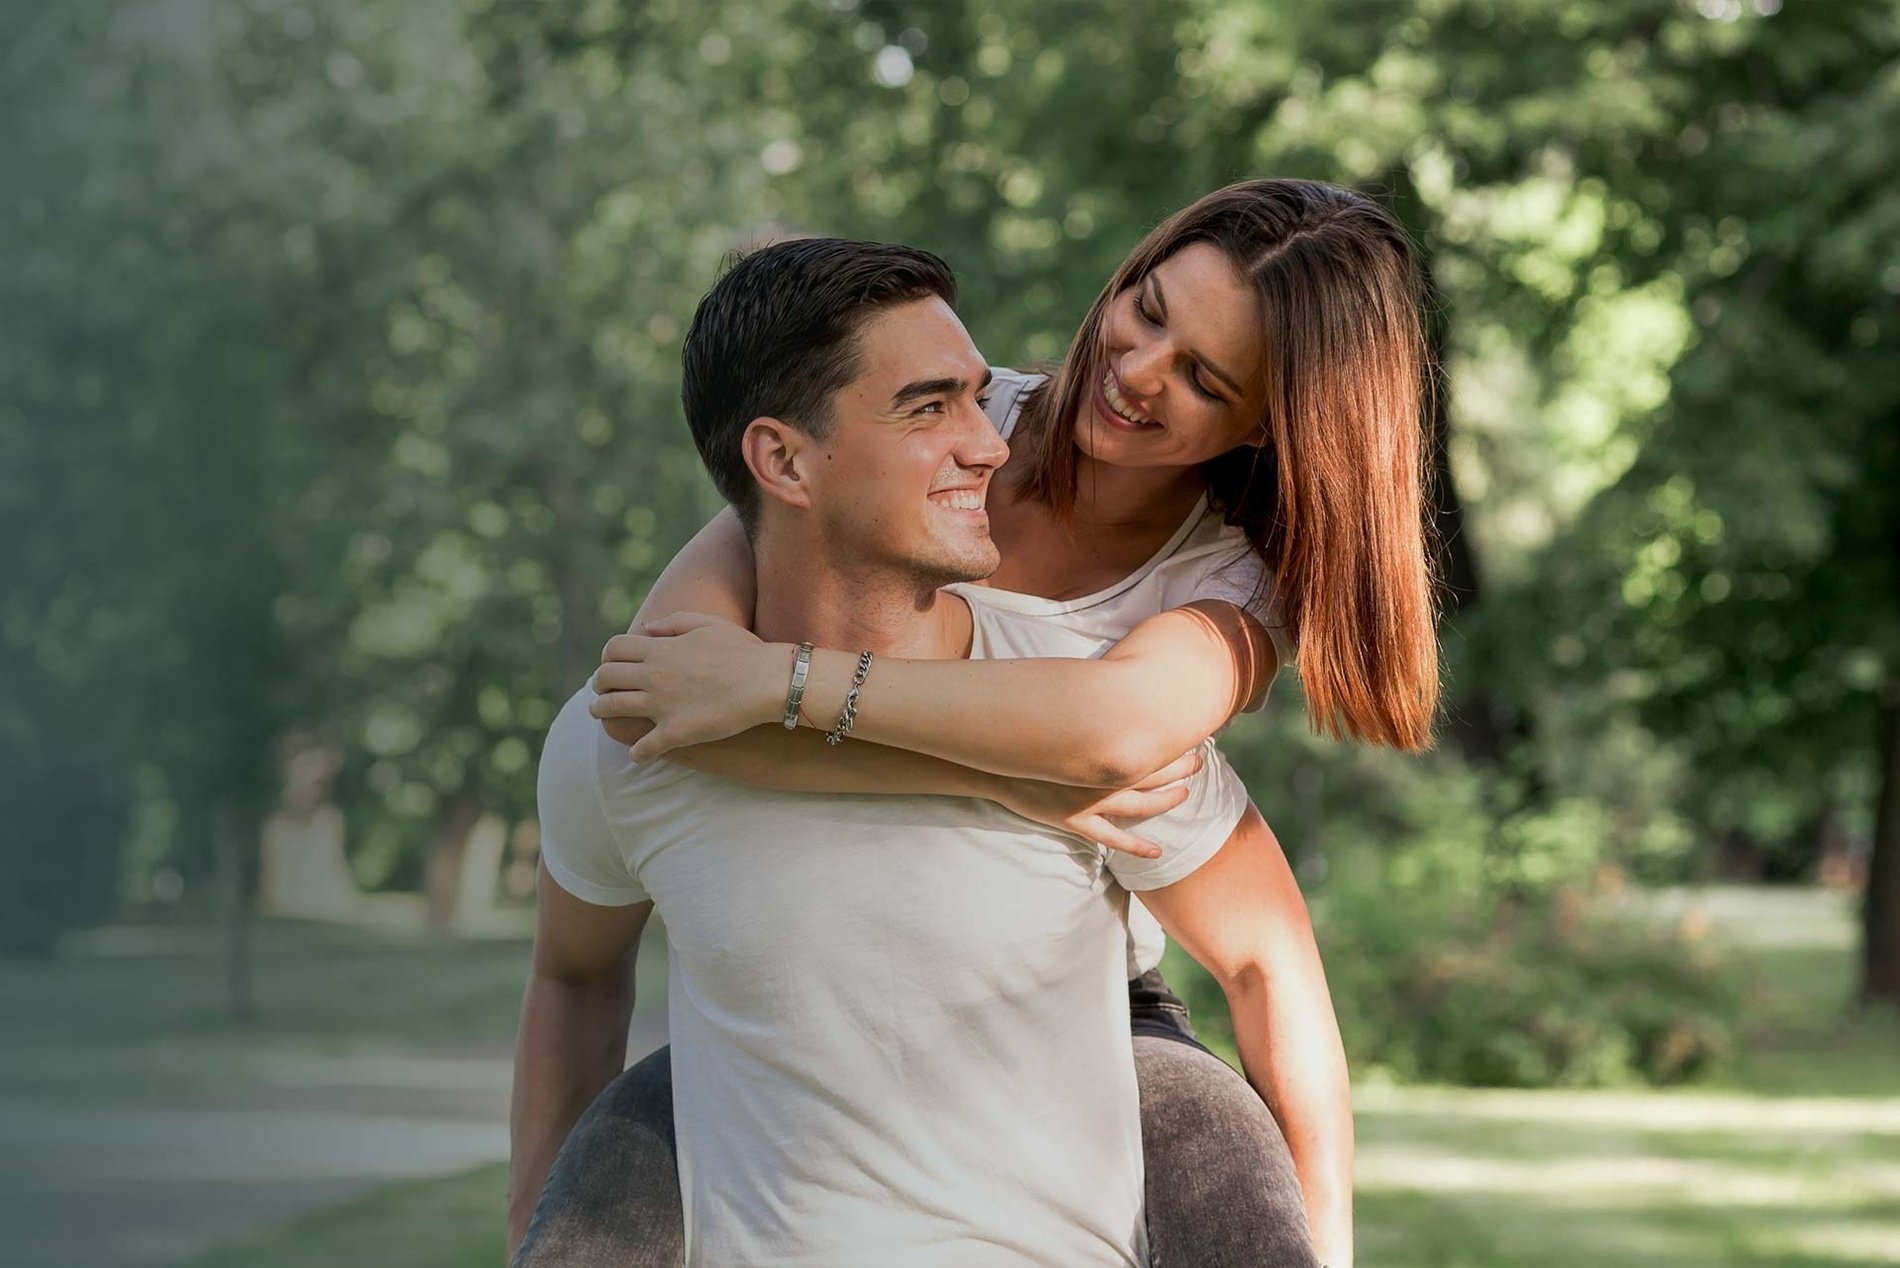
(1226, 465)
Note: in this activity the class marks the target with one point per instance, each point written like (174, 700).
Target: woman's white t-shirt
(1206, 558)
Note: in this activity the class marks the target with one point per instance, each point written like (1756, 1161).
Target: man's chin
(968, 564)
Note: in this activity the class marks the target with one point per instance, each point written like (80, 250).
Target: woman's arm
(1242, 916)
(1175, 680)
(801, 761)
(713, 573)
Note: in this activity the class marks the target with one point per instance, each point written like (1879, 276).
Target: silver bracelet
(795, 694)
(850, 715)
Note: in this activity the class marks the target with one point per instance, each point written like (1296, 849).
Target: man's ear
(777, 454)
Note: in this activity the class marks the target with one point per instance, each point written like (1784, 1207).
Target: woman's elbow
(1119, 761)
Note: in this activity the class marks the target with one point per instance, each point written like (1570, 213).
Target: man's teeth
(959, 499)
(1119, 405)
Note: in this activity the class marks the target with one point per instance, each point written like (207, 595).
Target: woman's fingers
(621, 675)
(1135, 803)
(1102, 832)
(621, 704)
(657, 743)
(1182, 767)
(626, 647)
(676, 623)
(626, 732)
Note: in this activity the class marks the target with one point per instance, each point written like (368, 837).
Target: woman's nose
(1142, 367)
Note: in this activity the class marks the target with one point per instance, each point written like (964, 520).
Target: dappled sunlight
(1639, 1179)
(1861, 1241)
(1598, 1178)
(1643, 1110)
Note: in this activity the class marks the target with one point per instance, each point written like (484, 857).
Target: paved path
(142, 1186)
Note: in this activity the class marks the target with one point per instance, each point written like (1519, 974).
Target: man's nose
(981, 444)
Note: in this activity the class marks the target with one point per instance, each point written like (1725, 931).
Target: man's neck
(803, 597)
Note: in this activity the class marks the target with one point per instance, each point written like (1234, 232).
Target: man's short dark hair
(777, 337)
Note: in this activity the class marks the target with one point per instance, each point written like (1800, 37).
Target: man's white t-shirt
(899, 1024)
(1207, 558)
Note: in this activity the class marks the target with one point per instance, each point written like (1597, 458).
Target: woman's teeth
(959, 499)
(1120, 405)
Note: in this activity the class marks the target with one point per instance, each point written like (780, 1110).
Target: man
(876, 1061)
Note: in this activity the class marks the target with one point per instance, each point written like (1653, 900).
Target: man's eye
(983, 402)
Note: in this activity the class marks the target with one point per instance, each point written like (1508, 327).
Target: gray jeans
(1221, 1191)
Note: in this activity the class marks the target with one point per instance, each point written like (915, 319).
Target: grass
(454, 1223)
(1790, 1159)
(137, 1013)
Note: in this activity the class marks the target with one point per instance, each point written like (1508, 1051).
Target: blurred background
(339, 428)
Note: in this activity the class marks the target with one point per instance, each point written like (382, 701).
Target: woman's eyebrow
(1161, 302)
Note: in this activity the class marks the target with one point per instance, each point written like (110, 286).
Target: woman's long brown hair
(1337, 508)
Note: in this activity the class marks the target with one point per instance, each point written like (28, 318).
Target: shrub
(1478, 951)
(1526, 988)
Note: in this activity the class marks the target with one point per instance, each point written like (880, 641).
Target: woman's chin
(1111, 448)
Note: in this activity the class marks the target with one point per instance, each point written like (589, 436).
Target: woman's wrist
(778, 661)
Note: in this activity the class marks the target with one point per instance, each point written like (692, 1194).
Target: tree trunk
(442, 870)
(234, 902)
(1880, 912)
(1484, 724)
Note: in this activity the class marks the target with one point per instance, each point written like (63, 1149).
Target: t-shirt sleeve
(1191, 833)
(1241, 579)
(578, 843)
(1009, 390)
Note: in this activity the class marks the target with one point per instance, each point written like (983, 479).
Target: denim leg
(1221, 1188)
(612, 1199)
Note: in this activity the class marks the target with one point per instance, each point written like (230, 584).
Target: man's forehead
(919, 340)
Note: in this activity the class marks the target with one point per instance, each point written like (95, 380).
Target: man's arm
(1242, 916)
(573, 1039)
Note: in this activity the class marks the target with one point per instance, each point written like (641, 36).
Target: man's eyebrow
(1161, 302)
(934, 387)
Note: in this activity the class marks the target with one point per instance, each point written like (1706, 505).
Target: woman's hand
(1102, 815)
(696, 678)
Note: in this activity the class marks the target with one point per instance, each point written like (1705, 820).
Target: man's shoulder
(580, 754)
(1005, 624)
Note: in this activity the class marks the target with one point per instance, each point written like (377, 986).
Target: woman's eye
(1201, 387)
(1141, 310)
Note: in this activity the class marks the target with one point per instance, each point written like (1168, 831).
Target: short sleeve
(1190, 834)
(1241, 579)
(578, 843)
(1009, 391)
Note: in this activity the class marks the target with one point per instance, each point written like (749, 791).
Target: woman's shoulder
(1217, 560)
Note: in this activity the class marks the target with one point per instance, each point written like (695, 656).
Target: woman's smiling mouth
(1116, 407)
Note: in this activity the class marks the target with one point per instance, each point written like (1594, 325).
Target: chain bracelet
(849, 717)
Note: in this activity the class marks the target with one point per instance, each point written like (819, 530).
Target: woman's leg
(612, 1199)
(1221, 1188)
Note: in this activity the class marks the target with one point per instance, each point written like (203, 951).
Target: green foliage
(1533, 991)
(1472, 936)
(338, 366)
